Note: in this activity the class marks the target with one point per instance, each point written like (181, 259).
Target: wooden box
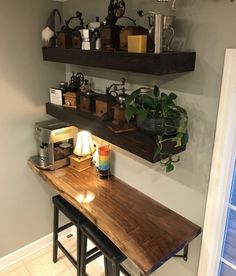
(103, 107)
(80, 164)
(119, 116)
(84, 103)
(110, 36)
(76, 40)
(87, 102)
(71, 99)
(64, 40)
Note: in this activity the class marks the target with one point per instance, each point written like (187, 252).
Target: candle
(104, 160)
(137, 43)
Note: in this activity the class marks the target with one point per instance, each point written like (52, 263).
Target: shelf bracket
(184, 255)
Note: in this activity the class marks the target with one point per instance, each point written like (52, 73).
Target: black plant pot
(154, 125)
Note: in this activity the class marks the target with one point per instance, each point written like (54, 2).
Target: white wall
(24, 82)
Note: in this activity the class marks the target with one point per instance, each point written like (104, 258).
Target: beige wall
(207, 27)
(24, 81)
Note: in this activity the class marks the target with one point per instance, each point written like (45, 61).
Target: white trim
(29, 249)
(221, 171)
(228, 263)
(232, 207)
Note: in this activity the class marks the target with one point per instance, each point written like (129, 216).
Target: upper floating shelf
(148, 63)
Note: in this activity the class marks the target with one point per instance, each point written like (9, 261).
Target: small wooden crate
(87, 102)
(119, 116)
(103, 107)
(84, 103)
(71, 99)
(110, 36)
(76, 40)
(64, 40)
(80, 164)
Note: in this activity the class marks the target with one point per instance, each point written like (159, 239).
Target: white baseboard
(29, 249)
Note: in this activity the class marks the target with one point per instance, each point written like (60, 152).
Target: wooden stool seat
(69, 210)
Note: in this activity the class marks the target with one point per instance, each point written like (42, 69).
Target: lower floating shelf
(137, 142)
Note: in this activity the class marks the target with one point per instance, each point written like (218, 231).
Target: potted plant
(161, 115)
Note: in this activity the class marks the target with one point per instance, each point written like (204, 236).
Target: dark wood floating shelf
(148, 63)
(137, 142)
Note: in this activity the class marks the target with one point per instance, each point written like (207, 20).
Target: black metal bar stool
(76, 218)
(113, 257)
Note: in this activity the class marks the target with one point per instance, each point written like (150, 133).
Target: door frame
(221, 174)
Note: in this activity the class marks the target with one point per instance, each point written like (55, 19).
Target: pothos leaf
(172, 96)
(130, 112)
(169, 167)
(178, 140)
(141, 115)
(147, 101)
(129, 99)
(185, 138)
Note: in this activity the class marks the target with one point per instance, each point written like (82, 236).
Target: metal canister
(158, 31)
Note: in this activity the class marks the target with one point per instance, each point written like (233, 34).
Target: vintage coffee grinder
(119, 108)
(105, 103)
(109, 31)
(87, 97)
(71, 97)
(119, 123)
(64, 37)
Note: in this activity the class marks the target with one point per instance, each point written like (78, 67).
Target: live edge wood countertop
(147, 232)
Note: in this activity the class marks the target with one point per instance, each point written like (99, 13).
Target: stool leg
(82, 258)
(115, 269)
(111, 269)
(79, 251)
(55, 233)
(106, 266)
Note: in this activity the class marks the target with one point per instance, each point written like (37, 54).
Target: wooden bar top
(147, 232)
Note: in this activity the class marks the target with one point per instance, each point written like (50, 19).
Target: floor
(40, 263)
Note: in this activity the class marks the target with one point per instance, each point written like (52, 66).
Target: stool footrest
(92, 251)
(65, 226)
(93, 257)
(68, 255)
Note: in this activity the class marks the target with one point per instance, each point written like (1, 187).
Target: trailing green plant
(173, 120)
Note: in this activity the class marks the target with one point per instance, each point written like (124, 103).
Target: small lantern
(83, 151)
